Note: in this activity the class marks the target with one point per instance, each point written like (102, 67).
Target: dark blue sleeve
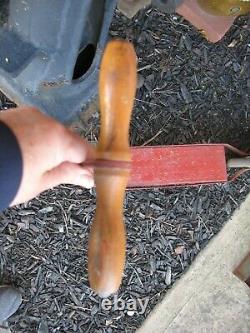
(11, 166)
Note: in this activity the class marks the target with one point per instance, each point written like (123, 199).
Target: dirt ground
(190, 91)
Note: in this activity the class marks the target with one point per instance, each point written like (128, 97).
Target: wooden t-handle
(107, 242)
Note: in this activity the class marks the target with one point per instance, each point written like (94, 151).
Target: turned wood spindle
(107, 242)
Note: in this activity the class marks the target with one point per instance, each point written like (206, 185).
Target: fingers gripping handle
(107, 241)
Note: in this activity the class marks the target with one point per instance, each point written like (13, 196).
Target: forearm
(11, 166)
(38, 153)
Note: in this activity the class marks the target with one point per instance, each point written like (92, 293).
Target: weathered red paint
(177, 165)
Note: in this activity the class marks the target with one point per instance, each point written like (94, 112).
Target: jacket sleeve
(11, 166)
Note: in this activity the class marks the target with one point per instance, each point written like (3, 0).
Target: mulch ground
(190, 91)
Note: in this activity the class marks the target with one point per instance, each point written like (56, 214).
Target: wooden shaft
(107, 242)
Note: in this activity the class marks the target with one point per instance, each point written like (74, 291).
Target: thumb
(69, 173)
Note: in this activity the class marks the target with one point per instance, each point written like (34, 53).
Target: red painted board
(177, 165)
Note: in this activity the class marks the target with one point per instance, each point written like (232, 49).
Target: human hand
(52, 154)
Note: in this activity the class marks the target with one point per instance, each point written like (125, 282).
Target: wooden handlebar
(107, 242)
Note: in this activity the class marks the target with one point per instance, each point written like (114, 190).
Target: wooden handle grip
(107, 242)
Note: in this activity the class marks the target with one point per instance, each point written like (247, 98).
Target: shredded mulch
(189, 91)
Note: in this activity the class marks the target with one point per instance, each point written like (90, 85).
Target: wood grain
(107, 243)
